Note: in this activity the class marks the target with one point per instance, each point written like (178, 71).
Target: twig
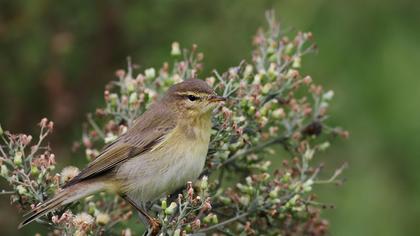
(280, 139)
(95, 126)
(224, 222)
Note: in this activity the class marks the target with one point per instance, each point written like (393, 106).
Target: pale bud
(150, 73)
(328, 95)
(102, 219)
(171, 209)
(18, 158)
(175, 49)
(43, 122)
(4, 171)
(21, 190)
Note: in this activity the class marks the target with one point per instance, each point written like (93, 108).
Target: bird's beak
(216, 98)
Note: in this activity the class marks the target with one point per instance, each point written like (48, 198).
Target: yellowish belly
(166, 168)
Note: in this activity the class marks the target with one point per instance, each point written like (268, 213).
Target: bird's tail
(64, 197)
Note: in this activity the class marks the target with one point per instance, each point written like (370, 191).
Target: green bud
(294, 199)
(34, 170)
(307, 186)
(266, 88)
(1, 130)
(251, 110)
(214, 219)
(188, 228)
(133, 98)
(171, 209)
(244, 103)
(207, 219)
(130, 86)
(289, 48)
(324, 146)
(296, 62)
(274, 193)
(286, 177)
(272, 58)
(113, 98)
(21, 190)
(225, 200)
(4, 171)
(92, 208)
(204, 183)
(248, 71)
(164, 204)
(18, 158)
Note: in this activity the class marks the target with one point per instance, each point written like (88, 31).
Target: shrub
(274, 113)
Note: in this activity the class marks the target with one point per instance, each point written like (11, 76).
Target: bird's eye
(192, 97)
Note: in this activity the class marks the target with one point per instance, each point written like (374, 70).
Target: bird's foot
(155, 226)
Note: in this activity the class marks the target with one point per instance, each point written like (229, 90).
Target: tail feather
(64, 197)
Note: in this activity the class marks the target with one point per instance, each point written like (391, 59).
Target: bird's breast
(179, 158)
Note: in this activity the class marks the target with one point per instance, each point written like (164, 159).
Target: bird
(161, 151)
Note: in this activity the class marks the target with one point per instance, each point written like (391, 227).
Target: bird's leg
(153, 223)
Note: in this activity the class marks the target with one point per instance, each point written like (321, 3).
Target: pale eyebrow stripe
(191, 93)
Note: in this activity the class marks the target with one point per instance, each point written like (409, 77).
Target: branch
(224, 222)
(280, 139)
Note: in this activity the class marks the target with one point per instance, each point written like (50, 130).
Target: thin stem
(95, 126)
(238, 217)
(253, 149)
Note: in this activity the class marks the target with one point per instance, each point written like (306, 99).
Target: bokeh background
(56, 57)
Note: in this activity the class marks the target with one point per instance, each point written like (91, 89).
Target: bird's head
(192, 98)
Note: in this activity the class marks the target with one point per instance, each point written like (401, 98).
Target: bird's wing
(147, 131)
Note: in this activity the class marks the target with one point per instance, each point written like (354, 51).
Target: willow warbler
(164, 148)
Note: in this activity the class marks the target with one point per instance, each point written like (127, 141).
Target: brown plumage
(149, 145)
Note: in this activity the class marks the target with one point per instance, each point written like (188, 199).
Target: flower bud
(171, 209)
(328, 95)
(175, 49)
(34, 170)
(204, 183)
(177, 232)
(4, 171)
(296, 62)
(307, 186)
(102, 219)
(113, 99)
(18, 158)
(150, 73)
(133, 98)
(248, 71)
(21, 190)
(196, 224)
(274, 193)
(164, 204)
(278, 113)
(130, 86)
(225, 200)
(1, 130)
(324, 146)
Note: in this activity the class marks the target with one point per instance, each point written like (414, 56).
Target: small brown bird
(164, 148)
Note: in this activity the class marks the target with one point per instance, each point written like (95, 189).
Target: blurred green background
(56, 56)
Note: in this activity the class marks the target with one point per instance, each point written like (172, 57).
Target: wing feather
(146, 132)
